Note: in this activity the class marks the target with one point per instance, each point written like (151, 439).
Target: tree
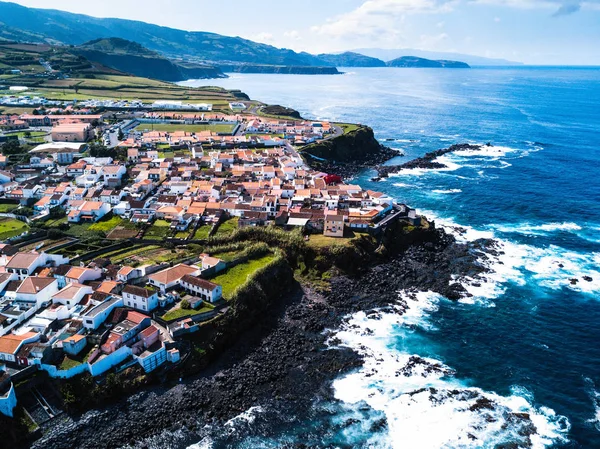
(185, 304)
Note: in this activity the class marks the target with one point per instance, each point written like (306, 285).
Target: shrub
(185, 304)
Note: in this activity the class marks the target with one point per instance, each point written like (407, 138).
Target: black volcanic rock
(428, 161)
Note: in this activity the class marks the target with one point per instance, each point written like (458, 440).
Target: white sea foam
(594, 395)
(446, 192)
(246, 417)
(485, 151)
(425, 405)
(551, 267)
(543, 229)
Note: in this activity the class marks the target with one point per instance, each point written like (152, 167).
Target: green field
(6, 208)
(10, 227)
(227, 227)
(106, 225)
(158, 231)
(178, 312)
(238, 275)
(168, 127)
(202, 232)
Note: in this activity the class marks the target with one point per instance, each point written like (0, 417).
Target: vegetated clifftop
(282, 111)
(351, 59)
(415, 62)
(131, 57)
(278, 69)
(348, 153)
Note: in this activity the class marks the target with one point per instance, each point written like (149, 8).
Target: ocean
(528, 338)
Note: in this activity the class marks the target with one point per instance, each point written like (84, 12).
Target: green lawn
(347, 127)
(7, 208)
(202, 232)
(238, 275)
(71, 361)
(55, 222)
(78, 229)
(10, 227)
(178, 312)
(158, 230)
(106, 224)
(168, 127)
(227, 227)
(321, 241)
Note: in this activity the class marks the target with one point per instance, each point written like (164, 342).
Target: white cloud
(561, 7)
(429, 42)
(376, 17)
(292, 34)
(497, 19)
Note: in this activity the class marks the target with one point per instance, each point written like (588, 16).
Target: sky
(550, 32)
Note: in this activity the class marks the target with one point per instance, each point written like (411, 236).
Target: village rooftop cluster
(197, 171)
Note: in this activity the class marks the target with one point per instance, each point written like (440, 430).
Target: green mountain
(75, 29)
(350, 59)
(131, 57)
(413, 61)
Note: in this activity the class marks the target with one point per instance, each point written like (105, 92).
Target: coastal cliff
(348, 153)
(278, 69)
(270, 351)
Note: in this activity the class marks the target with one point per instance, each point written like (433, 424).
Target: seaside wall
(8, 402)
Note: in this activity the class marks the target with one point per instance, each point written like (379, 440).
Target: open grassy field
(177, 312)
(347, 127)
(158, 230)
(10, 227)
(106, 224)
(6, 208)
(227, 227)
(202, 232)
(168, 127)
(321, 241)
(233, 278)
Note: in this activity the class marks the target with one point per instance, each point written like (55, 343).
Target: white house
(88, 211)
(96, 316)
(202, 288)
(140, 298)
(24, 264)
(171, 277)
(71, 295)
(11, 344)
(37, 291)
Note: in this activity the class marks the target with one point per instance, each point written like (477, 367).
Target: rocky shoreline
(348, 154)
(428, 161)
(280, 365)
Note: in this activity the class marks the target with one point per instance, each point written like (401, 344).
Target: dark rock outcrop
(348, 154)
(428, 161)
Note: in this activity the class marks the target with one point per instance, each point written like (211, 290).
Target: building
(10, 345)
(24, 264)
(334, 226)
(74, 344)
(98, 315)
(72, 132)
(140, 298)
(62, 152)
(171, 277)
(37, 291)
(202, 288)
(88, 211)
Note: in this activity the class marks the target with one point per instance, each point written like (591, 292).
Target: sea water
(528, 338)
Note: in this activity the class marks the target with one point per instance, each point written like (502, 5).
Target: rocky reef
(428, 161)
(348, 153)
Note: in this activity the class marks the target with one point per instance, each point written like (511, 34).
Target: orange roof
(9, 344)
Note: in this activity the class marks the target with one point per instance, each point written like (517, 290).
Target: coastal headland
(265, 344)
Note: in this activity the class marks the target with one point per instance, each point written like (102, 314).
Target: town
(106, 211)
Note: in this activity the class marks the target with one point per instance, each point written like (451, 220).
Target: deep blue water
(537, 191)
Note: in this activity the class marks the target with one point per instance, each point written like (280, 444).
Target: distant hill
(350, 59)
(75, 29)
(413, 61)
(131, 57)
(389, 54)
